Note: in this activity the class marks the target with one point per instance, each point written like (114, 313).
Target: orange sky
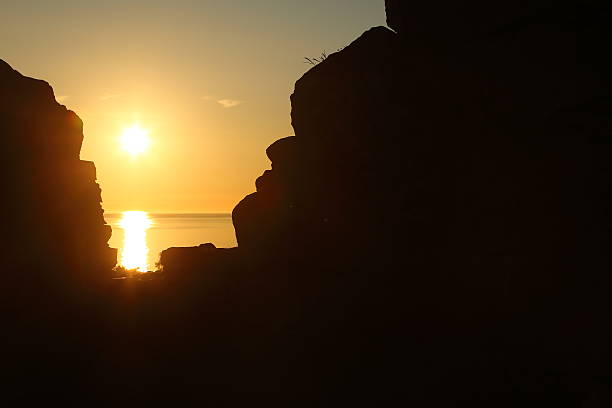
(209, 79)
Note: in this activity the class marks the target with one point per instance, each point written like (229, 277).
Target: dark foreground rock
(182, 260)
(55, 255)
(53, 227)
(441, 218)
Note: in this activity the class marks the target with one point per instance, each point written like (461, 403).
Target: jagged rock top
(28, 108)
(319, 95)
(21, 88)
(56, 228)
(4, 66)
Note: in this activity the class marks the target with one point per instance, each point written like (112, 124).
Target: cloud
(224, 102)
(229, 103)
(106, 97)
(61, 98)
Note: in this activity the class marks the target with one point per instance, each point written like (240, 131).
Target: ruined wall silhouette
(53, 230)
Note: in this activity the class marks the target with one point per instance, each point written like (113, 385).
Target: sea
(141, 236)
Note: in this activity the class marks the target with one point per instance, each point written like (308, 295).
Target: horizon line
(113, 212)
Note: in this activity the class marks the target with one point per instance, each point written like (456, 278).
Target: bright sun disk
(135, 140)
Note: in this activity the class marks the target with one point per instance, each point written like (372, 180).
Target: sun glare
(135, 251)
(135, 140)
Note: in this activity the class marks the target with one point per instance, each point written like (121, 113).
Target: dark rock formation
(440, 220)
(183, 261)
(53, 228)
(267, 217)
(56, 260)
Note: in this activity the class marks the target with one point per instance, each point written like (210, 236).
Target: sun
(135, 140)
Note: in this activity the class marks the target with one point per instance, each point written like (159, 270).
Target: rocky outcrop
(53, 228)
(477, 145)
(265, 218)
(183, 261)
(446, 194)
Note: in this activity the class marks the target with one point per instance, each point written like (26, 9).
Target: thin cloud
(229, 103)
(61, 98)
(106, 97)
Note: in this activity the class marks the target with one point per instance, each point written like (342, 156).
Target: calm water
(141, 236)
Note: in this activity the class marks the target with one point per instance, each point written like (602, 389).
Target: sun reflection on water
(135, 251)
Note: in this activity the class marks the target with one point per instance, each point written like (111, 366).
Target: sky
(209, 79)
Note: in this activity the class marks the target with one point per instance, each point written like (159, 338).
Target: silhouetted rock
(438, 230)
(53, 229)
(456, 177)
(265, 217)
(186, 261)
